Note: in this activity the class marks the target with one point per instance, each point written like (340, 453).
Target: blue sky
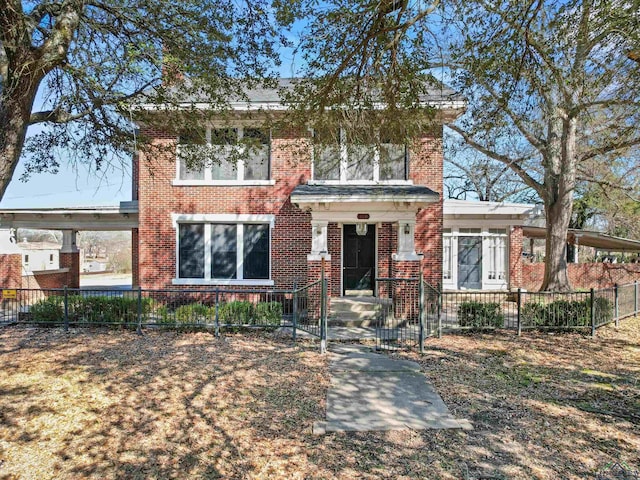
(68, 188)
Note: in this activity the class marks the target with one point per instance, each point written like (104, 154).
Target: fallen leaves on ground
(111, 404)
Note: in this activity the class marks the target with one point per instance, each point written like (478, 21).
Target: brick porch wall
(515, 258)
(11, 270)
(584, 275)
(46, 280)
(72, 262)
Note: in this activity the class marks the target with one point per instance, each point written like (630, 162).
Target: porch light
(407, 229)
(318, 229)
(361, 229)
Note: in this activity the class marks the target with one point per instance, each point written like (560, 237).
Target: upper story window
(224, 156)
(351, 162)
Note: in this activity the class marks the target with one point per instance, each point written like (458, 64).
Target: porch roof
(414, 194)
(597, 240)
(122, 217)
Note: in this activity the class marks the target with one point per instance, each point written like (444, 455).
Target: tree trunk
(555, 262)
(15, 112)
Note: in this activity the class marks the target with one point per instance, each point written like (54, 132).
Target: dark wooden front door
(470, 262)
(359, 258)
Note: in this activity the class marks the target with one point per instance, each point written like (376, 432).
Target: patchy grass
(105, 404)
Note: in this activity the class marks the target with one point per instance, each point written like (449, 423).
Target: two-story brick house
(274, 217)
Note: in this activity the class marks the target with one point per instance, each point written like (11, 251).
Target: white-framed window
(497, 248)
(350, 162)
(224, 248)
(224, 156)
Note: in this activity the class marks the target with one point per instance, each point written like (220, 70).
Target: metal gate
(408, 312)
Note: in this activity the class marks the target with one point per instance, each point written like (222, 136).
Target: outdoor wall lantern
(407, 229)
(361, 229)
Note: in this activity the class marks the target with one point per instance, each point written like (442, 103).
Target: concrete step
(365, 311)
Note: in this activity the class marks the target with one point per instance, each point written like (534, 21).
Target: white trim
(239, 220)
(204, 281)
(317, 257)
(360, 182)
(222, 183)
(222, 218)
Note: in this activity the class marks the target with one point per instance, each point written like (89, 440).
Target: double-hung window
(339, 158)
(224, 156)
(497, 247)
(226, 251)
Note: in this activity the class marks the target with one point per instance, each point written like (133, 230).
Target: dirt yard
(111, 404)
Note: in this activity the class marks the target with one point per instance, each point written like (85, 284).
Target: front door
(358, 258)
(470, 262)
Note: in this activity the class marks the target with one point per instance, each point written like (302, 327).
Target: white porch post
(69, 242)
(406, 240)
(319, 240)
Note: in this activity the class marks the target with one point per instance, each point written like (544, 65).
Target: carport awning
(600, 241)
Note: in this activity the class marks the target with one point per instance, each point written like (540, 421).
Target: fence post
(295, 310)
(139, 328)
(421, 312)
(593, 313)
(66, 309)
(616, 310)
(439, 309)
(635, 297)
(217, 319)
(519, 304)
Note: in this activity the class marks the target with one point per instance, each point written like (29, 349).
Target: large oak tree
(75, 65)
(555, 79)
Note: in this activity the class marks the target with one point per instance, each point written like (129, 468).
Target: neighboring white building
(475, 243)
(39, 256)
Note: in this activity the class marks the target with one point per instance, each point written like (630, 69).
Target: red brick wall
(584, 275)
(515, 257)
(158, 199)
(72, 262)
(135, 273)
(291, 236)
(11, 270)
(426, 169)
(46, 280)
(334, 246)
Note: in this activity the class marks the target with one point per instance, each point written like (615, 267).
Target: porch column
(70, 258)
(515, 257)
(319, 259)
(135, 258)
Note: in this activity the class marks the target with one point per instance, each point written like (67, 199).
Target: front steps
(362, 311)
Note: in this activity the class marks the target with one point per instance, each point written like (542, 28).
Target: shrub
(49, 310)
(566, 313)
(480, 315)
(268, 313)
(98, 309)
(193, 313)
(236, 313)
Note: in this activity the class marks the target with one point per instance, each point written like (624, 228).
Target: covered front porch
(360, 233)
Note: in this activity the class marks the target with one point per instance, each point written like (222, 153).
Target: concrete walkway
(373, 392)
